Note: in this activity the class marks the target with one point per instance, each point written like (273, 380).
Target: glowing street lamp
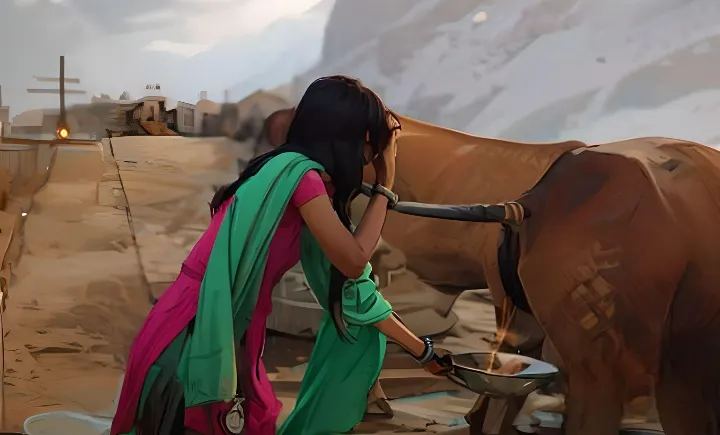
(63, 133)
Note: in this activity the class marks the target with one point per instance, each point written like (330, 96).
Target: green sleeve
(362, 302)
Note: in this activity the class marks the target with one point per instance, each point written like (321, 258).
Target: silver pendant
(235, 418)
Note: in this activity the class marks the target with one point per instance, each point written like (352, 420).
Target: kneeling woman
(201, 345)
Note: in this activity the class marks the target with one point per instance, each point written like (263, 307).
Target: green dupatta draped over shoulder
(339, 375)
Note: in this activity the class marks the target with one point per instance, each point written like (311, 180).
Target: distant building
(4, 121)
(44, 122)
(182, 118)
(29, 123)
(4, 110)
(242, 120)
(96, 118)
(205, 112)
(125, 115)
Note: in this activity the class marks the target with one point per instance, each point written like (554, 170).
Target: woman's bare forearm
(367, 233)
(394, 329)
(349, 252)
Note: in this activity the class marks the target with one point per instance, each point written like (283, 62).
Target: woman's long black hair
(335, 118)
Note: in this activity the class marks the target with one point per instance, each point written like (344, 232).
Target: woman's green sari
(333, 394)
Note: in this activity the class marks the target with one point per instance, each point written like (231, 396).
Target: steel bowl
(470, 370)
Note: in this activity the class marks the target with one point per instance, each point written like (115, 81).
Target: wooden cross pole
(62, 123)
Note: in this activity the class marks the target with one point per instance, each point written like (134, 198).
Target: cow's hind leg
(680, 401)
(594, 403)
(688, 387)
(595, 392)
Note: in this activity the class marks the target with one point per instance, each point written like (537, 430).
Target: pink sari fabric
(178, 305)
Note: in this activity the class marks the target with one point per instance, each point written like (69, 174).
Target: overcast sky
(186, 45)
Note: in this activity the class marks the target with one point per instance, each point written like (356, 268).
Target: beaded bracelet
(429, 352)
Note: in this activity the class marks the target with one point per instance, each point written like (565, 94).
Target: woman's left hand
(515, 213)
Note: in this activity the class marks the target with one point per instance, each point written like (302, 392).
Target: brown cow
(618, 262)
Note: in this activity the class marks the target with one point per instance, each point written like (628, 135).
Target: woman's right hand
(440, 365)
(385, 163)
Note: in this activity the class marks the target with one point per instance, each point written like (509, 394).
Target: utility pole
(63, 120)
(4, 115)
(63, 131)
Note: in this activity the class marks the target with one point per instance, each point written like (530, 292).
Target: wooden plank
(7, 226)
(55, 91)
(57, 79)
(2, 360)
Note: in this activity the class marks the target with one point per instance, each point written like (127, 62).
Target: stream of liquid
(506, 317)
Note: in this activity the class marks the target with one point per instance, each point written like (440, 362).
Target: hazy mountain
(271, 59)
(536, 69)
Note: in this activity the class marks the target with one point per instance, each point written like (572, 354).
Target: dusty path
(168, 182)
(78, 297)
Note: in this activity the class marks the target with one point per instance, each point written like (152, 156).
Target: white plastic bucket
(71, 423)
(66, 423)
